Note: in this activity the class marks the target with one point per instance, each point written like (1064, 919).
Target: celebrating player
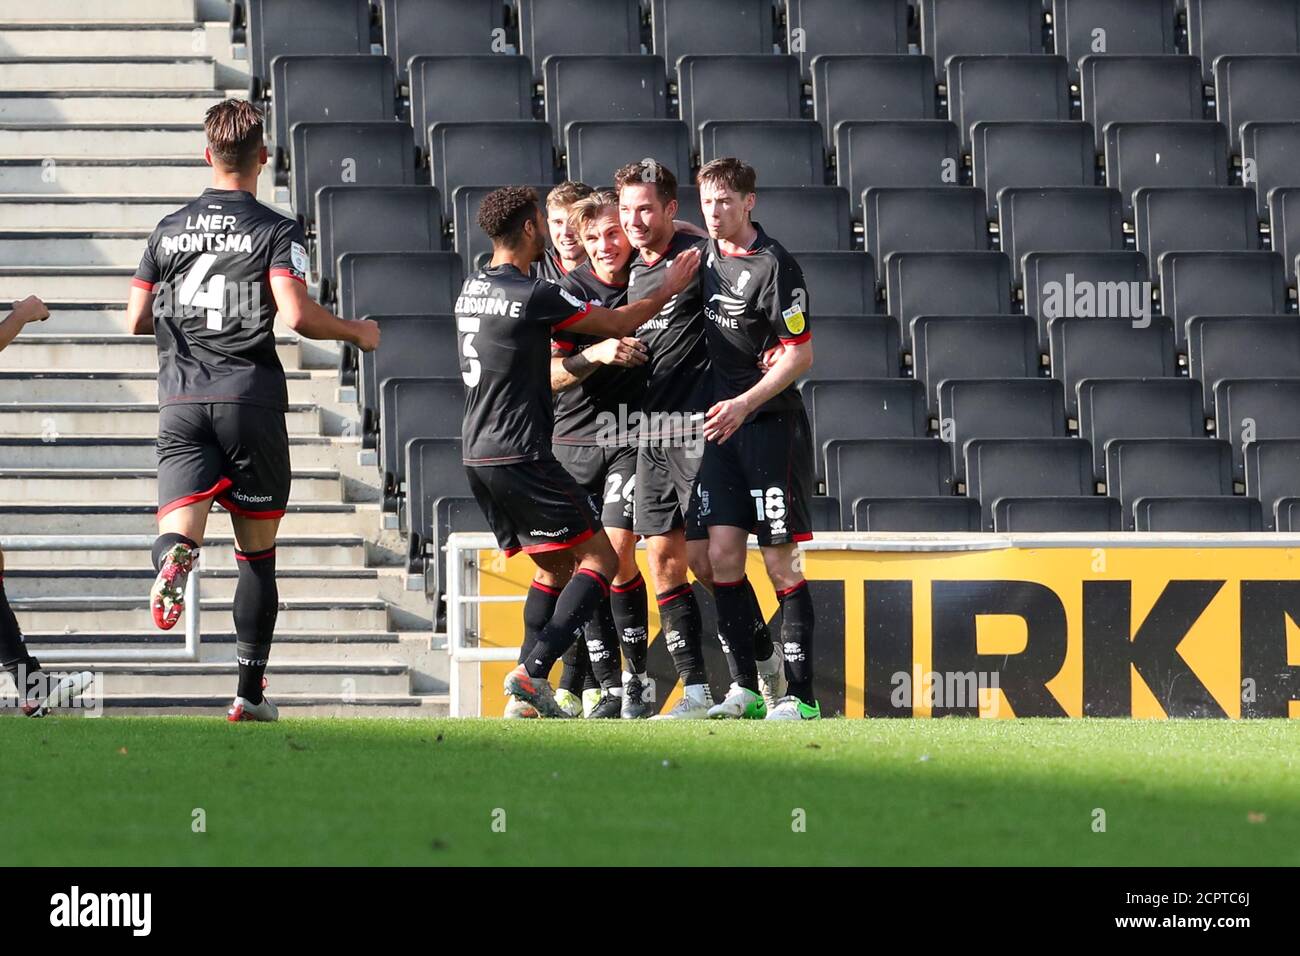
(566, 252)
(505, 321)
(756, 476)
(214, 276)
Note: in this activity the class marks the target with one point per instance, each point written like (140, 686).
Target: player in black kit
(505, 321)
(756, 476)
(567, 251)
(213, 278)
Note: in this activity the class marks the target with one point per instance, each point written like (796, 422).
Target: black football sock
(165, 542)
(797, 639)
(762, 634)
(679, 616)
(576, 668)
(578, 602)
(539, 608)
(738, 622)
(257, 605)
(632, 619)
(602, 650)
(13, 650)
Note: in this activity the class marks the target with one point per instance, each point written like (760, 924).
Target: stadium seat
(487, 88)
(1210, 513)
(373, 219)
(1085, 285)
(807, 217)
(1284, 220)
(1272, 476)
(433, 469)
(1121, 408)
(1248, 410)
(886, 468)
(604, 88)
(1166, 468)
(1168, 218)
(998, 468)
(951, 514)
(682, 27)
(924, 219)
(1023, 155)
(389, 283)
(1256, 89)
(971, 347)
(900, 88)
(291, 27)
(1093, 514)
(452, 514)
(839, 283)
(979, 27)
(1287, 512)
(1109, 348)
(1269, 154)
(946, 283)
(414, 408)
(568, 27)
(737, 87)
(595, 150)
(895, 153)
(1082, 28)
(453, 29)
(1139, 89)
(1165, 154)
(986, 89)
(688, 208)
(814, 27)
(782, 152)
(350, 154)
(1220, 283)
(476, 154)
(1241, 347)
(867, 408)
(855, 346)
(475, 248)
(1217, 27)
(1059, 219)
(329, 89)
(825, 514)
(415, 345)
(992, 408)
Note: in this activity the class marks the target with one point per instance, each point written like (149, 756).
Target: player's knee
(697, 556)
(727, 561)
(784, 569)
(555, 578)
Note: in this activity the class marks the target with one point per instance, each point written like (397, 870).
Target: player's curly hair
(234, 131)
(645, 172)
(729, 173)
(504, 211)
(567, 193)
(585, 211)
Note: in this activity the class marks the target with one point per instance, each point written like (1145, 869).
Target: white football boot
(741, 703)
(771, 676)
(694, 705)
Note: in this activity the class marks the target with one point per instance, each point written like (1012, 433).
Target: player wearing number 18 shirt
(214, 276)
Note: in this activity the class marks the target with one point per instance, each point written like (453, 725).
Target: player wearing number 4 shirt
(756, 476)
(505, 321)
(214, 276)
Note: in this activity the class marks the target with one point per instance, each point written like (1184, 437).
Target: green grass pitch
(125, 791)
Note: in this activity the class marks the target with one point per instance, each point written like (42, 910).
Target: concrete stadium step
(97, 614)
(139, 451)
(125, 176)
(131, 486)
(318, 646)
(52, 420)
(19, 11)
(291, 551)
(134, 386)
(39, 349)
(114, 518)
(62, 246)
(90, 283)
(297, 705)
(100, 580)
(87, 212)
(220, 677)
(104, 106)
(153, 138)
(107, 73)
(163, 38)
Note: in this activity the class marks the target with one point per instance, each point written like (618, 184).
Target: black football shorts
(534, 506)
(609, 473)
(665, 490)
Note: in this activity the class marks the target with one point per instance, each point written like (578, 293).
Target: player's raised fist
(681, 271)
(367, 335)
(31, 309)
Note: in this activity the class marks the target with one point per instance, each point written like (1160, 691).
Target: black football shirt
(504, 324)
(209, 266)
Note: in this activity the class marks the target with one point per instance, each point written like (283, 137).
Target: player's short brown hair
(234, 131)
(644, 173)
(585, 211)
(567, 193)
(504, 211)
(730, 173)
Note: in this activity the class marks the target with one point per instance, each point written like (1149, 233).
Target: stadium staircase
(100, 119)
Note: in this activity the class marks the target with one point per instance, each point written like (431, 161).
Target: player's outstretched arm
(311, 320)
(30, 309)
(623, 321)
(568, 370)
